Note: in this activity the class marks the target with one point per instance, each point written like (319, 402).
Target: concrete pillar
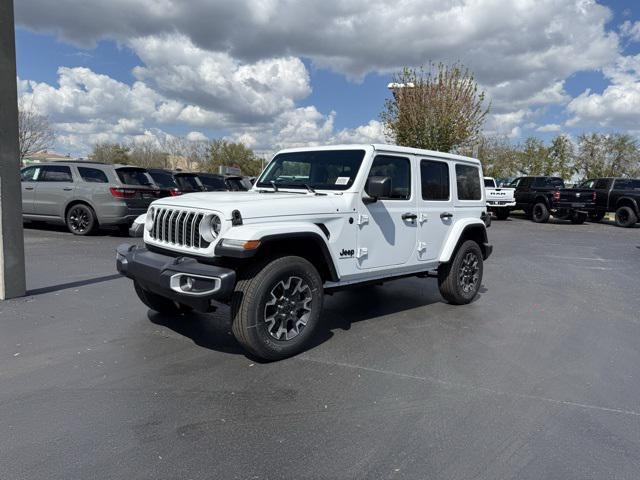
(12, 275)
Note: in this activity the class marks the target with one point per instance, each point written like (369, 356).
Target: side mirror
(377, 187)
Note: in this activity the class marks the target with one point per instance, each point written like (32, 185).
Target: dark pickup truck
(619, 195)
(541, 197)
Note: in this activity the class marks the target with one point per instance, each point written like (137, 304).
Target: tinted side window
(398, 169)
(134, 176)
(92, 175)
(468, 181)
(627, 184)
(435, 180)
(554, 182)
(213, 183)
(29, 174)
(56, 174)
(601, 184)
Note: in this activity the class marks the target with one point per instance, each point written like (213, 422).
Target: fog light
(187, 284)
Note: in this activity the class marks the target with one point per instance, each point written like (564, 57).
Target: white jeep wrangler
(317, 220)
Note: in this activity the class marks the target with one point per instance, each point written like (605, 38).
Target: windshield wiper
(308, 187)
(273, 184)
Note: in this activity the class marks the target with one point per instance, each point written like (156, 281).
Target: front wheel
(459, 280)
(625, 217)
(276, 307)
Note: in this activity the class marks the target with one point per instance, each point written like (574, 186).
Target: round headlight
(210, 227)
(148, 222)
(216, 225)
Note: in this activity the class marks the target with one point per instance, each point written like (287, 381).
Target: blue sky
(258, 73)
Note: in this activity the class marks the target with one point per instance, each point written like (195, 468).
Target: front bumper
(487, 250)
(164, 275)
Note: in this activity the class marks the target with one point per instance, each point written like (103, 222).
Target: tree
(147, 154)
(498, 156)
(561, 157)
(602, 155)
(109, 152)
(34, 131)
(439, 109)
(533, 157)
(232, 154)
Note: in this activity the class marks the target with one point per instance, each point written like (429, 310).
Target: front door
(54, 189)
(435, 205)
(28, 178)
(387, 228)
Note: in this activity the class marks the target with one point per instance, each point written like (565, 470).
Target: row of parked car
(543, 196)
(84, 195)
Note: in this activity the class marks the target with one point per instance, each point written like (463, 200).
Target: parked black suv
(220, 183)
(541, 197)
(175, 183)
(619, 195)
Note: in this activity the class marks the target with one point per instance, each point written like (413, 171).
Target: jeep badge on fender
(272, 252)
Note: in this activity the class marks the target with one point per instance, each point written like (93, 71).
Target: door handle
(28, 188)
(445, 215)
(409, 216)
(67, 189)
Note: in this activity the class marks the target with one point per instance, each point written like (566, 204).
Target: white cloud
(196, 136)
(630, 30)
(549, 127)
(618, 105)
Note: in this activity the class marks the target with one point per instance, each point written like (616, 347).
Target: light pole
(12, 275)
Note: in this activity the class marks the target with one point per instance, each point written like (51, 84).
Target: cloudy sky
(278, 73)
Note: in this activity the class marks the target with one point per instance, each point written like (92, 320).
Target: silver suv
(85, 195)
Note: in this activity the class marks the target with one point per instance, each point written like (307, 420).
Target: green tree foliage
(498, 156)
(109, 152)
(232, 154)
(561, 157)
(533, 157)
(438, 109)
(601, 155)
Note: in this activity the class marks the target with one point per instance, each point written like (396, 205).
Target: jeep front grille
(178, 227)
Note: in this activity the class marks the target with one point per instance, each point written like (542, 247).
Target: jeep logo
(345, 253)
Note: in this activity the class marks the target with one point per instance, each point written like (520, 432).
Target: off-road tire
(159, 303)
(626, 217)
(449, 282)
(249, 306)
(578, 218)
(540, 213)
(81, 219)
(502, 213)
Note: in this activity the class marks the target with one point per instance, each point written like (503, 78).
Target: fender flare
(456, 232)
(624, 200)
(269, 234)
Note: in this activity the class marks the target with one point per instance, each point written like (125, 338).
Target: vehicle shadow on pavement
(341, 311)
(53, 227)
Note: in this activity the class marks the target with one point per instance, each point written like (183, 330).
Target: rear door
(388, 227)
(28, 178)
(602, 186)
(434, 203)
(54, 189)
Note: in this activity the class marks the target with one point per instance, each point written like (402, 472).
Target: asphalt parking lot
(539, 378)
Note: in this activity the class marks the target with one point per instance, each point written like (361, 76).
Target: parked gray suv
(85, 195)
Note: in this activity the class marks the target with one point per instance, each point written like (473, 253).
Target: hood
(253, 204)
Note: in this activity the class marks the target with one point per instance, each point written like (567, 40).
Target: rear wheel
(502, 213)
(540, 213)
(460, 279)
(626, 217)
(276, 307)
(159, 303)
(80, 219)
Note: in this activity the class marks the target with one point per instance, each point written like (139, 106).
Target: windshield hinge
(362, 252)
(363, 219)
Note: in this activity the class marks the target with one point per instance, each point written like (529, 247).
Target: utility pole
(12, 274)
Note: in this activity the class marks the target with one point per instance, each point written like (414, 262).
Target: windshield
(189, 182)
(213, 183)
(163, 179)
(324, 170)
(134, 176)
